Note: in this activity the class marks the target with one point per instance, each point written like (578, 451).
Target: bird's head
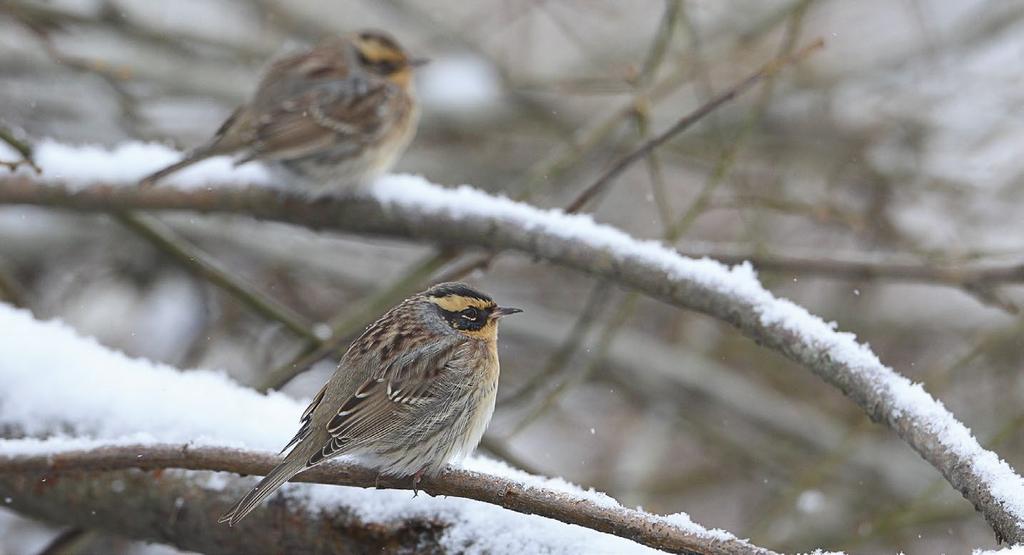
(467, 310)
(380, 54)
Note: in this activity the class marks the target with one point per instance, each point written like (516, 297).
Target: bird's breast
(484, 395)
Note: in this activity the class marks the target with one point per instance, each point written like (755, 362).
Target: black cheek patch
(385, 68)
(456, 320)
(473, 326)
(449, 317)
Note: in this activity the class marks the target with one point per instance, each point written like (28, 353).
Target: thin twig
(655, 57)
(213, 271)
(588, 317)
(24, 150)
(623, 310)
(768, 70)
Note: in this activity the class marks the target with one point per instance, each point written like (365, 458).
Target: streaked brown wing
(373, 410)
(328, 60)
(306, 103)
(320, 118)
(306, 419)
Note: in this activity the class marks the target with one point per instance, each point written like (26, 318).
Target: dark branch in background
(366, 215)
(68, 542)
(828, 266)
(19, 475)
(208, 268)
(24, 150)
(768, 70)
(11, 290)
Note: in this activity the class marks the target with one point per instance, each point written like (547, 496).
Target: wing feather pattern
(372, 410)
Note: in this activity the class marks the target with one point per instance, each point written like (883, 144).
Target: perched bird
(414, 391)
(341, 112)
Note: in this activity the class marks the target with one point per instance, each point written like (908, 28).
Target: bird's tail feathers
(188, 160)
(268, 485)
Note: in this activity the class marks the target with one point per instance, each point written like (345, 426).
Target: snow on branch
(410, 207)
(118, 413)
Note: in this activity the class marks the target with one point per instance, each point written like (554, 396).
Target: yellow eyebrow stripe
(455, 303)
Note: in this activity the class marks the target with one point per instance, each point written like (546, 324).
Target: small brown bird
(414, 391)
(338, 114)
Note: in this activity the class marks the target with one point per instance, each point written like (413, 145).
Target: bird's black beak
(419, 62)
(503, 311)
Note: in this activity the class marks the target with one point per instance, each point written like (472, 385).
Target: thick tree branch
(263, 204)
(26, 476)
(178, 509)
(828, 265)
(454, 219)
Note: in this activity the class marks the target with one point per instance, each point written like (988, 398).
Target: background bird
(338, 114)
(415, 391)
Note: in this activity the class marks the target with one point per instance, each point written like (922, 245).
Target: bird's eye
(470, 314)
(385, 67)
(381, 67)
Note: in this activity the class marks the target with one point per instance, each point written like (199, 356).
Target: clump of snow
(51, 379)
(810, 501)
(683, 520)
(128, 162)
(31, 446)
(1009, 550)
(458, 83)
(54, 381)
(499, 468)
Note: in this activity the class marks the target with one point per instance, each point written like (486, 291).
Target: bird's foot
(416, 479)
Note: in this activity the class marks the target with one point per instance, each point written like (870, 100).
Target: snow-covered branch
(177, 508)
(132, 414)
(411, 208)
(667, 533)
